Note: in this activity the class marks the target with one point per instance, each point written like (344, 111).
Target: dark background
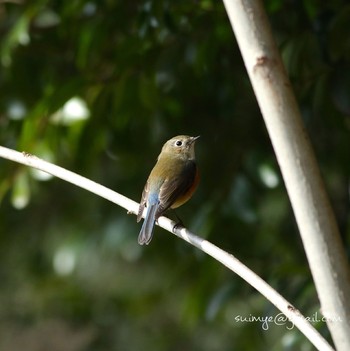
(72, 276)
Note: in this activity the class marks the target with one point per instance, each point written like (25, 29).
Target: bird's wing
(175, 187)
(143, 201)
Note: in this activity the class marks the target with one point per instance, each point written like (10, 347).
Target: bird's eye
(178, 143)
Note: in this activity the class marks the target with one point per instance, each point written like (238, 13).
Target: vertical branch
(299, 168)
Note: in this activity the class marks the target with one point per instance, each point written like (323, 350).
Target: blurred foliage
(97, 87)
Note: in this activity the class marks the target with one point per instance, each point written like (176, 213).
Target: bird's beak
(193, 139)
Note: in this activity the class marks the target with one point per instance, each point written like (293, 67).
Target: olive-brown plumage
(170, 184)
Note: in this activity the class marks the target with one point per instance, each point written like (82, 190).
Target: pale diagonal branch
(218, 254)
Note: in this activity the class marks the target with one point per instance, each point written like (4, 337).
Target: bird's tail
(146, 231)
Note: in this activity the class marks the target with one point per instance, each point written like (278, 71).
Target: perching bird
(170, 184)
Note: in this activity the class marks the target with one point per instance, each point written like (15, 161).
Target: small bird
(170, 184)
